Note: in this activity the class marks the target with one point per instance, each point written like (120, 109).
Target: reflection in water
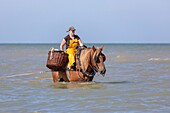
(65, 85)
(122, 82)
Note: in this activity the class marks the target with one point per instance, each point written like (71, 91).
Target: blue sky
(96, 21)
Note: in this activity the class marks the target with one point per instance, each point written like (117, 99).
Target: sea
(137, 80)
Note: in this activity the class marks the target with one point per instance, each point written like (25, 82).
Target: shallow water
(137, 80)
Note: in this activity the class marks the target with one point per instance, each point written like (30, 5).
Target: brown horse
(90, 62)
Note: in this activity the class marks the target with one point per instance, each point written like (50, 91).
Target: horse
(89, 62)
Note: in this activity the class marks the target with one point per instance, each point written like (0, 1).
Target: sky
(96, 21)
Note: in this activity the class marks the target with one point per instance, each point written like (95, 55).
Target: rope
(24, 74)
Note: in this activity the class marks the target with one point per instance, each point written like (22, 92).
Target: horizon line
(91, 43)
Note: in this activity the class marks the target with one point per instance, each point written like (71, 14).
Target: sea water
(137, 80)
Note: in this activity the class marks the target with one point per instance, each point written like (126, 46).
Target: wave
(138, 59)
(159, 59)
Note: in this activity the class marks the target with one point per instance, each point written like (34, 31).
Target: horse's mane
(85, 58)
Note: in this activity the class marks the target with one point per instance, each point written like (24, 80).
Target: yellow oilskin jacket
(71, 51)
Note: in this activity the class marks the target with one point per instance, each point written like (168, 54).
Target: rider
(71, 41)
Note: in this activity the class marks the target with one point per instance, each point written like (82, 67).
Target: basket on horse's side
(57, 60)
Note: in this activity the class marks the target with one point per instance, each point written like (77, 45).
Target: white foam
(159, 59)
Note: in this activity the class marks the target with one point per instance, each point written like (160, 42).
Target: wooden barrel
(57, 60)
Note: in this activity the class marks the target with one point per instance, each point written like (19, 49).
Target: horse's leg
(64, 76)
(56, 76)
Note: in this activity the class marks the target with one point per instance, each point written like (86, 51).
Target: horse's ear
(101, 48)
(94, 49)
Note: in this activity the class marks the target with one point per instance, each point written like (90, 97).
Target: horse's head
(98, 60)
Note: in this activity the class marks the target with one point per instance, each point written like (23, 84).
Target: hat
(71, 29)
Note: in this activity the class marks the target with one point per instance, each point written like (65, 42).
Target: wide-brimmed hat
(71, 29)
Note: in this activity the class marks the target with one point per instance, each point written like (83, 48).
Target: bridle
(96, 59)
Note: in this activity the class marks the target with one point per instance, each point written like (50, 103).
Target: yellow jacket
(71, 51)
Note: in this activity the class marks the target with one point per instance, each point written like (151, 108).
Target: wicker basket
(57, 60)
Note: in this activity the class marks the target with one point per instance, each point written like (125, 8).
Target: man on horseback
(71, 41)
